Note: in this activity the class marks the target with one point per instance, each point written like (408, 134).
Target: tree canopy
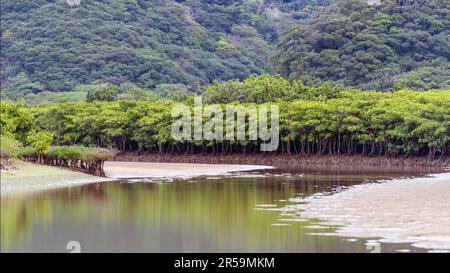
(393, 45)
(403, 122)
(53, 46)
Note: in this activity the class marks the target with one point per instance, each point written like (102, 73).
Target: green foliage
(52, 46)
(68, 153)
(173, 92)
(227, 92)
(15, 120)
(9, 147)
(40, 141)
(104, 93)
(313, 120)
(396, 44)
(100, 92)
(80, 153)
(52, 51)
(267, 88)
(46, 96)
(223, 45)
(21, 84)
(27, 152)
(136, 93)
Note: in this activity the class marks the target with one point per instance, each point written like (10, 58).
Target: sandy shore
(24, 176)
(116, 169)
(413, 211)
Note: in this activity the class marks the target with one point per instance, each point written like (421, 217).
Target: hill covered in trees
(396, 44)
(53, 51)
(53, 46)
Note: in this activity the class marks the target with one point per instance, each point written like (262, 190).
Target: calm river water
(237, 213)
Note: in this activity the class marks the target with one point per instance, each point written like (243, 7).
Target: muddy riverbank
(281, 160)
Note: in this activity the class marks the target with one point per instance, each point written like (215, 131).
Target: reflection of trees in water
(18, 216)
(94, 191)
(224, 210)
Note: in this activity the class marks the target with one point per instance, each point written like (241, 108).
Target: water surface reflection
(225, 214)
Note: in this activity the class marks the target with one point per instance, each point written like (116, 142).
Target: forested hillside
(147, 49)
(54, 46)
(396, 44)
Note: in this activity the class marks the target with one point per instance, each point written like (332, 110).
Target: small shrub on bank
(9, 147)
(27, 152)
(69, 153)
(80, 153)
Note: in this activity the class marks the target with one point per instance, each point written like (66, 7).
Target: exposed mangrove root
(94, 167)
(84, 159)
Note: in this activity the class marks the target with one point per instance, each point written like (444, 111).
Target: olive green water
(215, 214)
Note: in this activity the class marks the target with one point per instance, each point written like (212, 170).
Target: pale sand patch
(116, 169)
(413, 211)
(26, 176)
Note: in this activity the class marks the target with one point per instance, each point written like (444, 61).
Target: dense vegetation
(268, 88)
(52, 46)
(107, 74)
(90, 160)
(20, 137)
(150, 49)
(397, 44)
(404, 122)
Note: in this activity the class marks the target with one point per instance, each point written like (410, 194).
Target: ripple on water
(420, 215)
(293, 220)
(280, 225)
